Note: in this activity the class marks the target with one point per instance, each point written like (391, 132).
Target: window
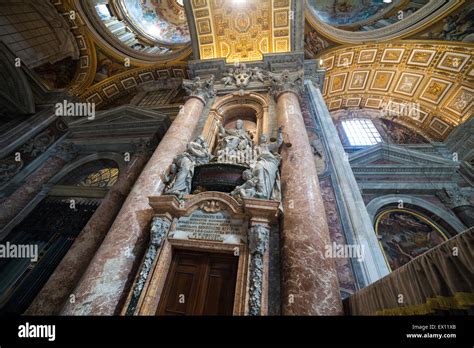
(99, 173)
(103, 11)
(361, 132)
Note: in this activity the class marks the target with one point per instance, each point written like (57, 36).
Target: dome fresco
(347, 12)
(162, 20)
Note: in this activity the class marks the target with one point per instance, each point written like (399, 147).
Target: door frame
(155, 284)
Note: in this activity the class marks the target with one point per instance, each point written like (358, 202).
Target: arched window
(49, 231)
(100, 173)
(404, 234)
(361, 132)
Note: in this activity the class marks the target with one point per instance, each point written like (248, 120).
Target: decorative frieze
(258, 237)
(159, 228)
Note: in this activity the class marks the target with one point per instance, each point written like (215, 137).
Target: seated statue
(235, 138)
(178, 181)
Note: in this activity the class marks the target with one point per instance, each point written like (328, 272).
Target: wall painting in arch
(404, 235)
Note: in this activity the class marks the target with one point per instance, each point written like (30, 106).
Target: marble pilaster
(105, 284)
(309, 279)
(373, 266)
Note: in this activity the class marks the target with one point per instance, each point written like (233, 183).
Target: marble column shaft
(309, 280)
(19, 199)
(60, 285)
(104, 286)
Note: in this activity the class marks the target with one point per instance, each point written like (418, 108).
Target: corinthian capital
(287, 82)
(202, 89)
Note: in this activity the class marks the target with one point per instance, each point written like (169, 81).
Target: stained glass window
(100, 173)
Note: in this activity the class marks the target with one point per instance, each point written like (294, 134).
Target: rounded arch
(375, 205)
(70, 167)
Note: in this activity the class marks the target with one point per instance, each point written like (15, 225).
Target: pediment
(122, 115)
(390, 155)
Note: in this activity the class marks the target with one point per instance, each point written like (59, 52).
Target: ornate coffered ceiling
(126, 83)
(242, 30)
(402, 78)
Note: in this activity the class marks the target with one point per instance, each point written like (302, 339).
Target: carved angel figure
(182, 169)
(248, 189)
(228, 77)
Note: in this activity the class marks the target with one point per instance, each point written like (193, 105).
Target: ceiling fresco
(347, 12)
(163, 20)
(362, 21)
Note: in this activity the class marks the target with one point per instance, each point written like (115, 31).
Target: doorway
(199, 283)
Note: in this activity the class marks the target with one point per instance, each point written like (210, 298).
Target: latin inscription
(217, 227)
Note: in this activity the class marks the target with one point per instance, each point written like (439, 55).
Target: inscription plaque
(217, 227)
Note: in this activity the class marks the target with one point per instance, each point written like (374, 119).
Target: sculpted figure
(228, 78)
(182, 169)
(235, 138)
(248, 189)
(266, 165)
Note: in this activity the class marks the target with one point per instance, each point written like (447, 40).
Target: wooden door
(199, 284)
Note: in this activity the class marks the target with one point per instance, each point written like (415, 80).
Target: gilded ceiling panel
(427, 85)
(244, 30)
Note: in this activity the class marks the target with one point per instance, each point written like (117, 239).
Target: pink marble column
(104, 286)
(19, 199)
(309, 279)
(62, 282)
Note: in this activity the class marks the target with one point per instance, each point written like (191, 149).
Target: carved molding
(158, 230)
(258, 237)
(211, 206)
(240, 75)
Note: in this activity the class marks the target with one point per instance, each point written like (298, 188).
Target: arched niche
(252, 108)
